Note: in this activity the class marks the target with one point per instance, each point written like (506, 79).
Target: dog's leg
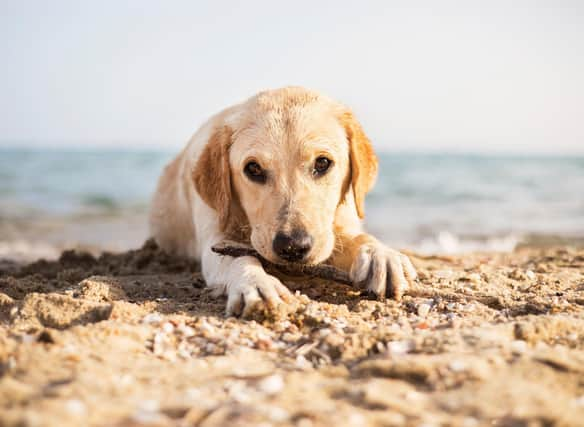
(384, 272)
(247, 286)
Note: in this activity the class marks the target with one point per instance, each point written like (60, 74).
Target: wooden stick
(321, 271)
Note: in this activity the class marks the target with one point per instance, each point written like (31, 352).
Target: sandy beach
(451, 132)
(135, 339)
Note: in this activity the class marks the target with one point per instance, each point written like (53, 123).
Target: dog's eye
(321, 166)
(255, 172)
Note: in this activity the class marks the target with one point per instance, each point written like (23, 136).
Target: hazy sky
(472, 76)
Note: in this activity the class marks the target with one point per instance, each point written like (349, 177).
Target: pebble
(400, 347)
(75, 407)
(457, 366)
(518, 346)
(414, 396)
(424, 309)
(239, 392)
(152, 318)
(185, 331)
(474, 277)
(168, 327)
(147, 412)
(356, 419)
(272, 384)
(11, 363)
(28, 338)
(468, 307)
(530, 274)
(302, 363)
(125, 380)
(277, 414)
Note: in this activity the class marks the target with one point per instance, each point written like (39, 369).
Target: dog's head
(282, 171)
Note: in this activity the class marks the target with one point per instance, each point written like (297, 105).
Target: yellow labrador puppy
(287, 171)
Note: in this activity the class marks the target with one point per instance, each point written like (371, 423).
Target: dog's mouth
(296, 264)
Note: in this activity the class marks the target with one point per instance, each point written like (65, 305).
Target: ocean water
(432, 203)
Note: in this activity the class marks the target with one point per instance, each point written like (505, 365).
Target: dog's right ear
(212, 175)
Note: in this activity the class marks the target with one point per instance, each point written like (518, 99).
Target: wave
(445, 242)
(25, 251)
(428, 203)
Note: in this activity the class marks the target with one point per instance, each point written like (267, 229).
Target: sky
(488, 76)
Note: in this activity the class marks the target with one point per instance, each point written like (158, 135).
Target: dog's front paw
(254, 293)
(384, 272)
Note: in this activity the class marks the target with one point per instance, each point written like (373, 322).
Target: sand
(135, 339)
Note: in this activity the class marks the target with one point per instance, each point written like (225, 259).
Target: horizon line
(95, 146)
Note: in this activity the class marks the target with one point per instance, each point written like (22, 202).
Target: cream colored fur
(204, 196)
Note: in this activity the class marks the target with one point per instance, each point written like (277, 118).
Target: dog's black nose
(292, 247)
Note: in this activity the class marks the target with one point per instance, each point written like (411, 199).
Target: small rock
(468, 307)
(28, 338)
(168, 327)
(399, 347)
(457, 366)
(152, 318)
(302, 363)
(424, 309)
(414, 396)
(474, 277)
(238, 391)
(530, 274)
(185, 331)
(518, 346)
(75, 407)
(277, 414)
(272, 384)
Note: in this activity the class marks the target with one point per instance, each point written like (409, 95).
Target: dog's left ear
(212, 175)
(363, 160)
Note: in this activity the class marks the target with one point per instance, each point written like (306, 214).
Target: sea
(97, 200)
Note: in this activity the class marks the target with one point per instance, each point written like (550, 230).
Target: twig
(321, 271)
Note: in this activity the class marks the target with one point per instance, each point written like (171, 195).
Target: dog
(286, 171)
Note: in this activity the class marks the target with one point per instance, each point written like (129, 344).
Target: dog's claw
(246, 298)
(384, 272)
